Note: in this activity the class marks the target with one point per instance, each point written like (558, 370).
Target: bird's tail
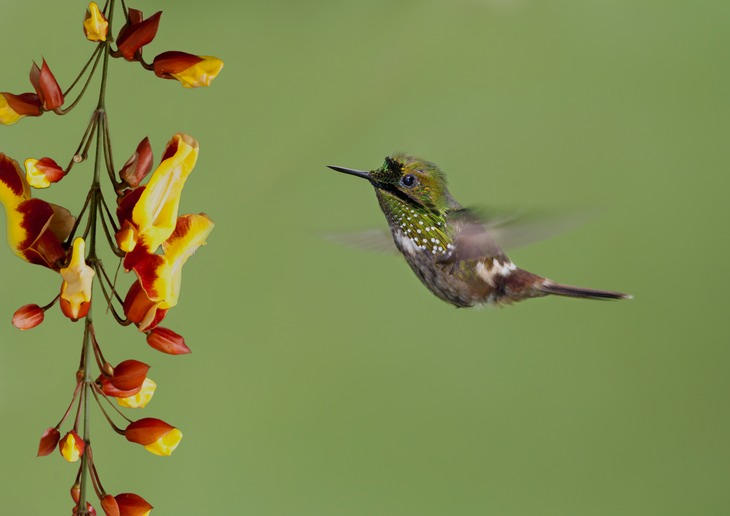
(548, 287)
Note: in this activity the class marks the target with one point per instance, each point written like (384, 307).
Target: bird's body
(452, 251)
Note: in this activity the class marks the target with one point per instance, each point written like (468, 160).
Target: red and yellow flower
(40, 173)
(77, 280)
(192, 71)
(155, 435)
(35, 228)
(72, 446)
(14, 107)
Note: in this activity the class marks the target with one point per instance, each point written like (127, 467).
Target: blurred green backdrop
(326, 380)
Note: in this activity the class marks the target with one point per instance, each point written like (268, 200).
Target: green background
(325, 380)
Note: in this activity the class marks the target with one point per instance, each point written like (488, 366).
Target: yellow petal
(155, 213)
(200, 74)
(142, 398)
(166, 444)
(8, 116)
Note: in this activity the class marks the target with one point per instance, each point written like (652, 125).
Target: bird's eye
(409, 180)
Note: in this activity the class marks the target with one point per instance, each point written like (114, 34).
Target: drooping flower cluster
(142, 229)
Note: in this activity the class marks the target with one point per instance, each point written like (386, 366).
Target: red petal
(27, 104)
(40, 247)
(127, 203)
(136, 34)
(147, 430)
(110, 506)
(131, 504)
(167, 341)
(49, 441)
(48, 90)
(173, 61)
(108, 389)
(138, 166)
(129, 375)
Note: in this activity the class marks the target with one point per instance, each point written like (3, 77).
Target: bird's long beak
(351, 171)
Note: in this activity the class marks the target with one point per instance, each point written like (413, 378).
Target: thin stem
(96, 391)
(96, 51)
(70, 405)
(63, 111)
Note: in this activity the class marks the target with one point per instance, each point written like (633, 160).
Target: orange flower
(192, 71)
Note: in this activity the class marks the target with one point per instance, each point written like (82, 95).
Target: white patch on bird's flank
(407, 243)
(497, 269)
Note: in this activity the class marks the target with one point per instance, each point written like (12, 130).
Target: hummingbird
(451, 249)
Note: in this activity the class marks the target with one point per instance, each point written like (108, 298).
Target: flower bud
(139, 165)
(76, 492)
(131, 504)
(28, 316)
(72, 446)
(192, 71)
(141, 398)
(167, 341)
(40, 173)
(90, 511)
(95, 24)
(155, 435)
(15, 107)
(129, 375)
(49, 441)
(48, 90)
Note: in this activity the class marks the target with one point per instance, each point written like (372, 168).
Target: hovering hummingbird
(450, 248)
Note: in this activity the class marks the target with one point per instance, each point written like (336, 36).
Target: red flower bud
(76, 492)
(28, 316)
(48, 90)
(49, 441)
(108, 389)
(129, 375)
(131, 504)
(136, 33)
(167, 341)
(89, 510)
(139, 165)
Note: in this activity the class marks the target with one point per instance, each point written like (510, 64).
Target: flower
(35, 228)
(48, 90)
(141, 310)
(72, 446)
(192, 71)
(15, 107)
(49, 441)
(167, 341)
(28, 316)
(155, 435)
(76, 286)
(40, 173)
(95, 24)
(155, 212)
(142, 398)
(125, 504)
(136, 33)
